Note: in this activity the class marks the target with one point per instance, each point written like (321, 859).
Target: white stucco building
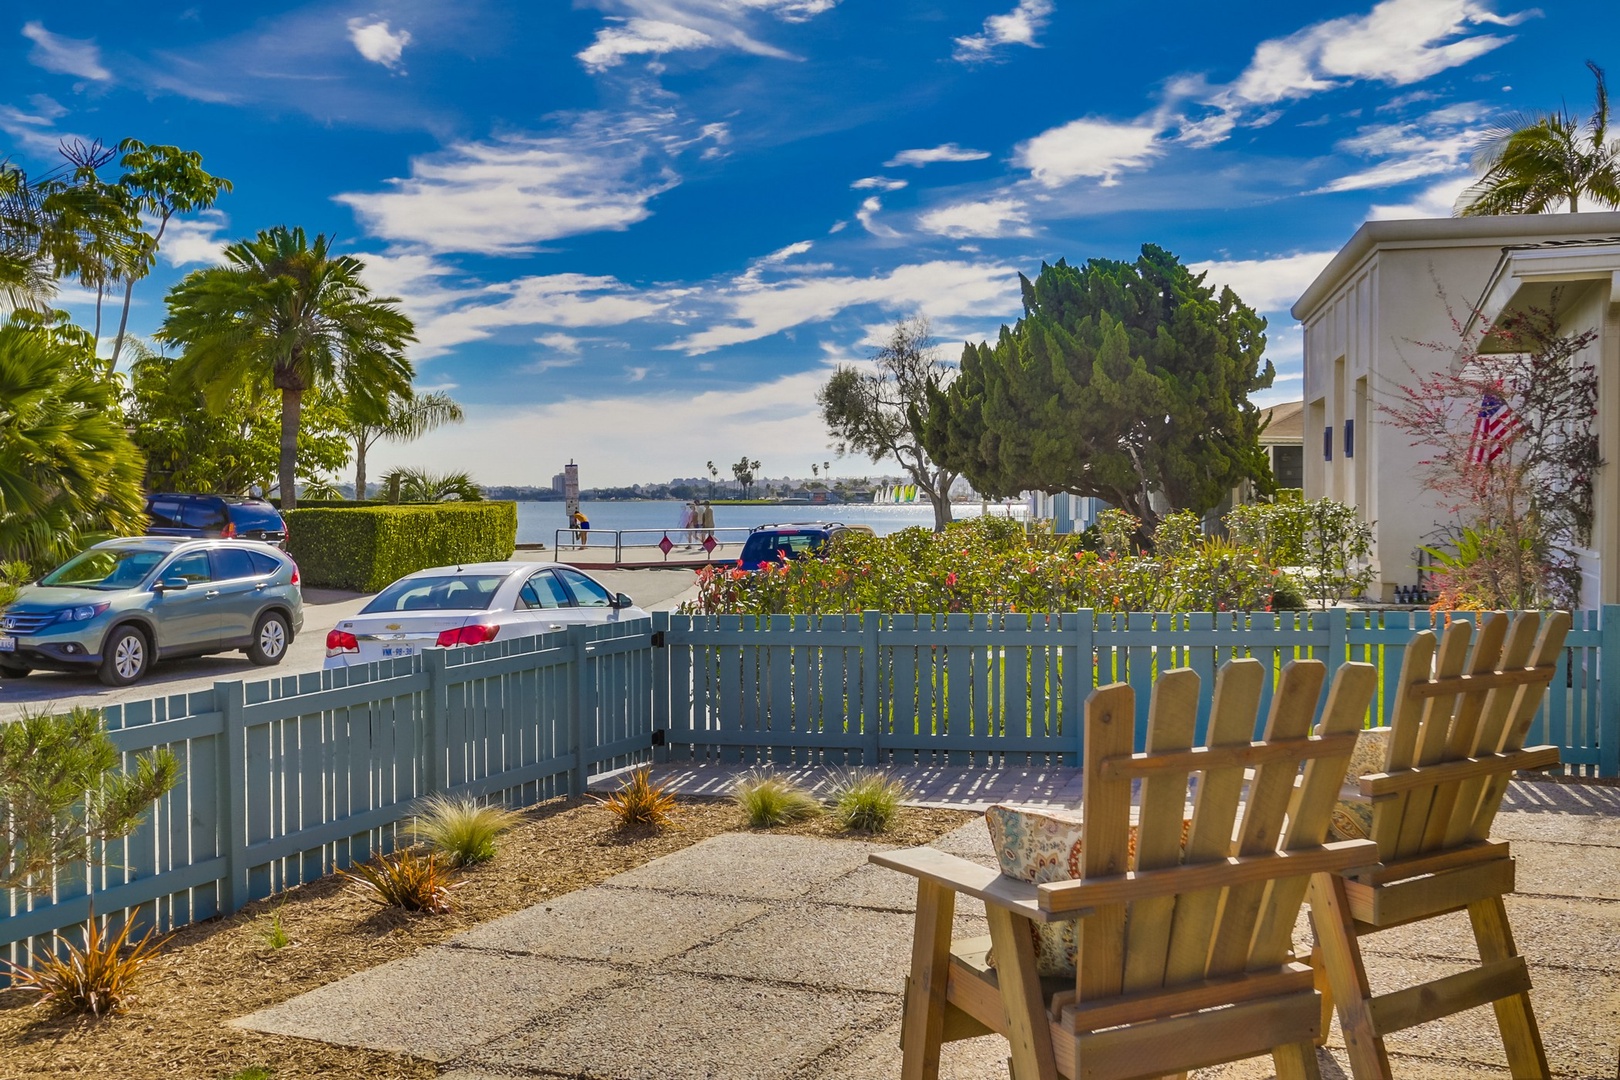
(1365, 317)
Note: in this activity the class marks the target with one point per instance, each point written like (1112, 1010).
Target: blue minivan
(210, 517)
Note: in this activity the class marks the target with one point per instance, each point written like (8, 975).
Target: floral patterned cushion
(1037, 845)
(1353, 820)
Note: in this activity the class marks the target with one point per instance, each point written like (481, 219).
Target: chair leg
(1319, 976)
(1521, 1037)
(1028, 1033)
(1347, 977)
(1297, 1061)
(923, 1026)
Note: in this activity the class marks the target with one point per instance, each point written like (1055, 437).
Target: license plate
(399, 650)
(8, 644)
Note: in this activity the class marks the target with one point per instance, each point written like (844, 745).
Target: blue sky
(640, 233)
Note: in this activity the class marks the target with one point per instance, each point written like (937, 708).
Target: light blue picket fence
(284, 780)
(1008, 689)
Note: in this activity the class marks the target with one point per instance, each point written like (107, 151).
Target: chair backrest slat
(1105, 802)
(1493, 722)
(1526, 700)
(1485, 658)
(1172, 723)
(1238, 686)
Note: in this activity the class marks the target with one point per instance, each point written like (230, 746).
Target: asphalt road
(652, 590)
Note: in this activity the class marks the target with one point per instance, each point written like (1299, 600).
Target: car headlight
(83, 613)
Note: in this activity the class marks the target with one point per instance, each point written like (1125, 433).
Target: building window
(1349, 438)
(1288, 466)
(1327, 443)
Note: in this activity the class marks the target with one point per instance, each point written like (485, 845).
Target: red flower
(950, 580)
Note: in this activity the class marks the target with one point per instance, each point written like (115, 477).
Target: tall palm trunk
(360, 442)
(292, 406)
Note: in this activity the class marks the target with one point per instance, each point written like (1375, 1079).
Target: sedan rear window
(451, 592)
(105, 568)
(255, 516)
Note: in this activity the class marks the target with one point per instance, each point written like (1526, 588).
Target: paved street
(653, 590)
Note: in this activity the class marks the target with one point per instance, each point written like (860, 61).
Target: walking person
(689, 519)
(706, 520)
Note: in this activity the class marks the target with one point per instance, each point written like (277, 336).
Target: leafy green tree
(419, 486)
(229, 448)
(1128, 382)
(1530, 163)
(406, 419)
(67, 466)
(882, 413)
(160, 181)
(27, 278)
(91, 228)
(285, 314)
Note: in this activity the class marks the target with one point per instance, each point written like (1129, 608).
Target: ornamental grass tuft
(460, 830)
(767, 800)
(407, 879)
(98, 979)
(639, 801)
(864, 800)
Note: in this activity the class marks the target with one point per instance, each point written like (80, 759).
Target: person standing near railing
(582, 527)
(706, 520)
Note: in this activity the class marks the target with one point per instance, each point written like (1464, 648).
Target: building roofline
(1414, 231)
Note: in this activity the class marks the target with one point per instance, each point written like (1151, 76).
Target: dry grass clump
(768, 801)
(98, 979)
(639, 801)
(460, 830)
(864, 800)
(407, 879)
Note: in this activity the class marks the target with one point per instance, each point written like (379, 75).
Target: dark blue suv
(768, 545)
(229, 517)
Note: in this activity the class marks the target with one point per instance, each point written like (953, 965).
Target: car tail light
(230, 530)
(476, 634)
(295, 575)
(339, 642)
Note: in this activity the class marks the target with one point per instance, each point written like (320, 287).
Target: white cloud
(1267, 285)
(943, 290)
(196, 240)
(563, 343)
(1088, 148)
(635, 374)
(990, 218)
(639, 37)
(1438, 144)
(866, 215)
(509, 194)
(565, 300)
(944, 152)
(878, 183)
(64, 55)
(540, 367)
(1399, 42)
(1434, 201)
(1018, 27)
(377, 43)
(35, 131)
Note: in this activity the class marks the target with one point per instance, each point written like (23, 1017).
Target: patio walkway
(753, 955)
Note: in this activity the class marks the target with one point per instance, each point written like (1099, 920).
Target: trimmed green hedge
(366, 547)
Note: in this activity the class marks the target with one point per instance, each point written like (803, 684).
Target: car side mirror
(173, 584)
(623, 601)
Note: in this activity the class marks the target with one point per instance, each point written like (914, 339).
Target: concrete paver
(626, 926)
(435, 1005)
(756, 866)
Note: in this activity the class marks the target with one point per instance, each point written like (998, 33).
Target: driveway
(652, 590)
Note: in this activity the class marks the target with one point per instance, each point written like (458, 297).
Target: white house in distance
(1365, 316)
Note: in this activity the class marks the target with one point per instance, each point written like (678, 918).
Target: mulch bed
(213, 972)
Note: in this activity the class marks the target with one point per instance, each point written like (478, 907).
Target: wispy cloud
(1271, 284)
(34, 129)
(1017, 27)
(867, 216)
(65, 55)
(1437, 144)
(657, 28)
(1088, 148)
(377, 43)
(1434, 201)
(877, 183)
(639, 37)
(985, 218)
(563, 343)
(635, 374)
(944, 152)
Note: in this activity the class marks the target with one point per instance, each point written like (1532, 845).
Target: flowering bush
(991, 565)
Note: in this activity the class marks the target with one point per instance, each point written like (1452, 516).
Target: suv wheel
(13, 671)
(125, 656)
(271, 636)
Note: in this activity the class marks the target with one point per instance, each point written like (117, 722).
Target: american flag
(1495, 425)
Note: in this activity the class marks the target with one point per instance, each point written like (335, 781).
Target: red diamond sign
(708, 544)
(665, 545)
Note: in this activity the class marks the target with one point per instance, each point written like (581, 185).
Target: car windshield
(104, 568)
(451, 592)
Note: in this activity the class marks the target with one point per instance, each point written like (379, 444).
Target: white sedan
(449, 606)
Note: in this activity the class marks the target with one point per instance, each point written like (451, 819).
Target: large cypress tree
(1129, 382)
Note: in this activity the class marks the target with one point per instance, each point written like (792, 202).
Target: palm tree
(1530, 163)
(26, 279)
(67, 466)
(407, 419)
(286, 314)
(420, 486)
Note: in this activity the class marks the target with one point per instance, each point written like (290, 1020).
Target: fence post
(1338, 633)
(435, 704)
(871, 701)
(1079, 686)
(1609, 692)
(229, 701)
(660, 687)
(583, 707)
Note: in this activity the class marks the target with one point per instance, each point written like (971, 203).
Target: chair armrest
(971, 879)
(1071, 898)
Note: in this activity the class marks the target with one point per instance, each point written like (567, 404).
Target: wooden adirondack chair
(1185, 954)
(1455, 739)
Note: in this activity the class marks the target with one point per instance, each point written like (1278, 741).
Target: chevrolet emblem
(392, 626)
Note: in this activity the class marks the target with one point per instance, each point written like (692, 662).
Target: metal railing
(676, 546)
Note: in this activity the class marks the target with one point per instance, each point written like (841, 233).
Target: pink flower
(950, 580)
